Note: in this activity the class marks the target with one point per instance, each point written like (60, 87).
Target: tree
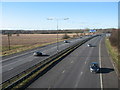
(65, 36)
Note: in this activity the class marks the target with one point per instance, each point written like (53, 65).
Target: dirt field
(24, 41)
(30, 39)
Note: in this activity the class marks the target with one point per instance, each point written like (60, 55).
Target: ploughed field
(27, 41)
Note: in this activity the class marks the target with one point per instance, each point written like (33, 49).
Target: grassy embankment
(113, 51)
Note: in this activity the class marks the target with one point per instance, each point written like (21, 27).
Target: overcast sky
(33, 15)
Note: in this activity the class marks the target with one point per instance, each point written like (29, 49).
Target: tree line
(115, 38)
(4, 32)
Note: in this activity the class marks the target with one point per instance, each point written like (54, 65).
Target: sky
(82, 15)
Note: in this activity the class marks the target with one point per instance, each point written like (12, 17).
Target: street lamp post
(57, 37)
(57, 19)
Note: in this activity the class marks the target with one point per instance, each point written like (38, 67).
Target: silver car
(94, 67)
(37, 53)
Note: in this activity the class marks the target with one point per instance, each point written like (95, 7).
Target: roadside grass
(6, 48)
(113, 51)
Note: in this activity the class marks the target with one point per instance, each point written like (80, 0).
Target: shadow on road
(94, 46)
(105, 70)
(43, 55)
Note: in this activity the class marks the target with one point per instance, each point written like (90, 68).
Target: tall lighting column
(57, 19)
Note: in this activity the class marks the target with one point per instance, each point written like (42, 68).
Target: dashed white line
(71, 61)
(81, 73)
(30, 60)
(63, 71)
(49, 88)
(10, 69)
(85, 62)
(76, 85)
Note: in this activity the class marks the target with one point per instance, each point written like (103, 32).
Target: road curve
(73, 71)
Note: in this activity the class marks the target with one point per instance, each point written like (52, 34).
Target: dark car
(37, 53)
(94, 67)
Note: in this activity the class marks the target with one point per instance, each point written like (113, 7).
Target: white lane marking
(10, 69)
(76, 85)
(85, 62)
(81, 73)
(16, 56)
(16, 62)
(50, 49)
(63, 71)
(101, 82)
(49, 88)
(30, 60)
(71, 61)
(89, 53)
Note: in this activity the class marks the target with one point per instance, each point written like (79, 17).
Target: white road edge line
(101, 82)
(90, 51)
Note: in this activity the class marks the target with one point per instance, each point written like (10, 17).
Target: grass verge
(113, 51)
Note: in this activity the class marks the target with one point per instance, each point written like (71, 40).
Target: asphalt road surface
(73, 71)
(14, 64)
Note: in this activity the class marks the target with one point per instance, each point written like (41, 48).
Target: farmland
(27, 41)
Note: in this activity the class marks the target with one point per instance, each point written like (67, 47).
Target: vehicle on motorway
(89, 45)
(37, 53)
(94, 67)
(66, 41)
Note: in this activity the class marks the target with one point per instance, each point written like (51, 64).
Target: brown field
(30, 39)
(27, 41)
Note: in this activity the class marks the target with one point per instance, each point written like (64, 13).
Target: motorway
(73, 71)
(14, 64)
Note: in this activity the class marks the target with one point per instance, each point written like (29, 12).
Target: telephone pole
(8, 40)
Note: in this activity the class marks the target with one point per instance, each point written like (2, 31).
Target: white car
(89, 45)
